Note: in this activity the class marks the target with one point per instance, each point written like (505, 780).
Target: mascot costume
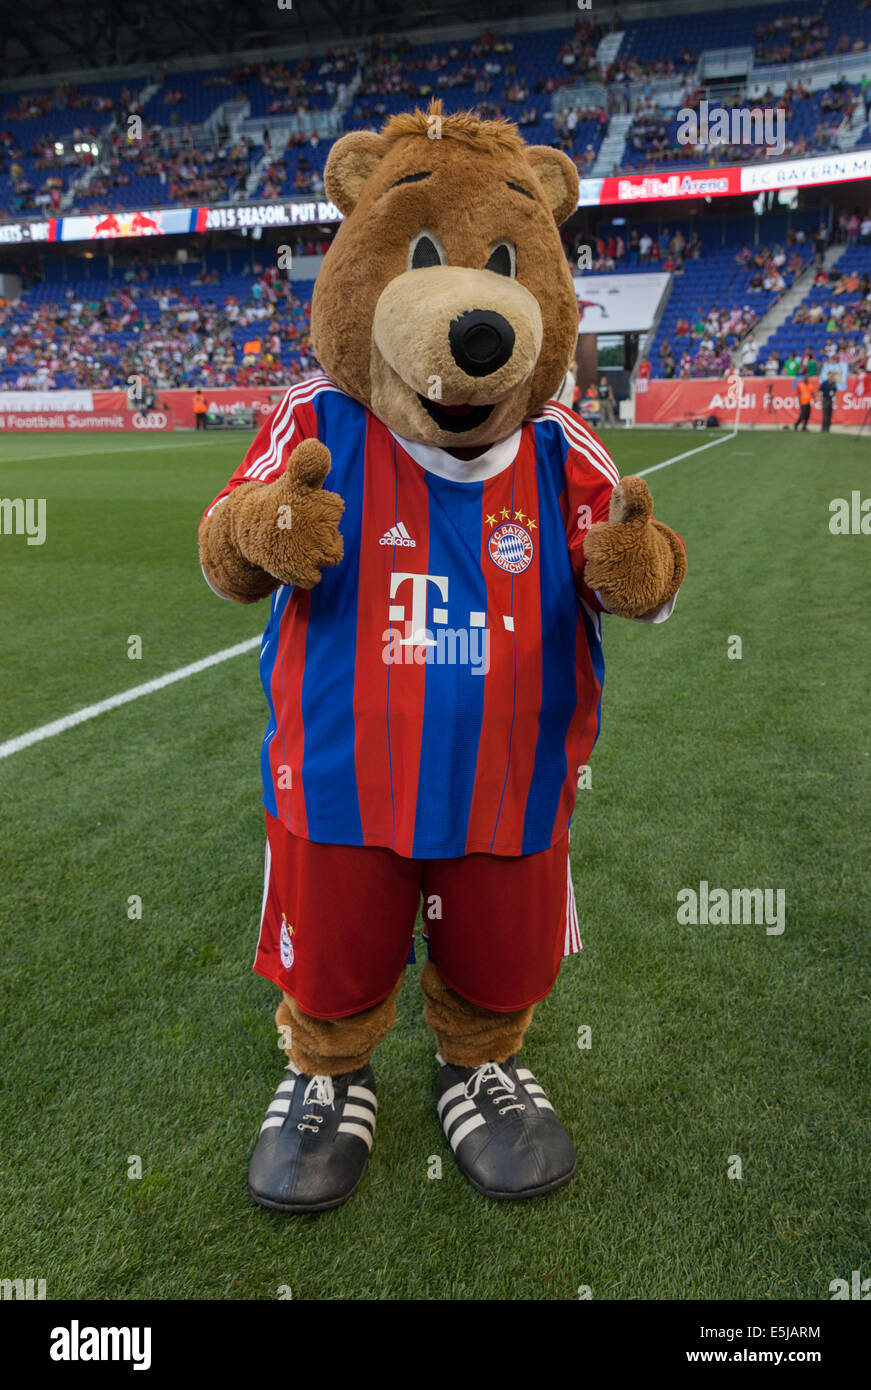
(432, 660)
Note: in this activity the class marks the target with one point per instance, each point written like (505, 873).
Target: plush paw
(633, 561)
(290, 528)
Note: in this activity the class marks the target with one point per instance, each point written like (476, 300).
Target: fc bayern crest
(285, 944)
(510, 547)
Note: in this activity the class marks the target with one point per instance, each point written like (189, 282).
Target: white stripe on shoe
(279, 1107)
(465, 1128)
(533, 1088)
(363, 1093)
(272, 1122)
(451, 1116)
(347, 1127)
(449, 1096)
(359, 1112)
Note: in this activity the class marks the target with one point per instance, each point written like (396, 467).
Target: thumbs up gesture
(633, 561)
(293, 532)
(284, 532)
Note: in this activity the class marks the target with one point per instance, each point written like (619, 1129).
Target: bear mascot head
(446, 304)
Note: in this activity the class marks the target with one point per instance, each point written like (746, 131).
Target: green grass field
(154, 1038)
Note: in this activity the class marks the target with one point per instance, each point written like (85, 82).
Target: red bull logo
(116, 224)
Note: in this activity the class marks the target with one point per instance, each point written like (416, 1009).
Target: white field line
(60, 726)
(723, 439)
(152, 448)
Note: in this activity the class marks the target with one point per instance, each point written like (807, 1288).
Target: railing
(724, 62)
(585, 95)
(815, 74)
(326, 122)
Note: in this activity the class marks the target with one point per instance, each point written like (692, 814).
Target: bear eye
(503, 259)
(426, 250)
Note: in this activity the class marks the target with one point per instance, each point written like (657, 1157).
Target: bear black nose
(481, 342)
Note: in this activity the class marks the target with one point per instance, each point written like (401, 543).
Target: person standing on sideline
(200, 409)
(607, 403)
(805, 396)
(828, 391)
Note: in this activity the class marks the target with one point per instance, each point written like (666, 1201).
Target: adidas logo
(397, 535)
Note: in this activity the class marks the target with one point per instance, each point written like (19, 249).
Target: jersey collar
(495, 460)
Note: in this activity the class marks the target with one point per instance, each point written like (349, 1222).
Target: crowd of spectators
(791, 38)
(482, 66)
(802, 37)
(301, 163)
(173, 336)
(188, 169)
(771, 265)
(855, 357)
(31, 106)
(290, 90)
(669, 251)
(652, 137)
(569, 127)
(708, 334)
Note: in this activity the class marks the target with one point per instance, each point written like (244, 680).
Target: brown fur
(468, 1035)
(248, 546)
(634, 561)
(323, 1047)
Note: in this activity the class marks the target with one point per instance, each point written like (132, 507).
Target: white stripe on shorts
(573, 931)
(267, 871)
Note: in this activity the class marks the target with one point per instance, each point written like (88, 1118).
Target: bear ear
(558, 177)
(350, 163)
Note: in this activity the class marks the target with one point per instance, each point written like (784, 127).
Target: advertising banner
(109, 410)
(763, 401)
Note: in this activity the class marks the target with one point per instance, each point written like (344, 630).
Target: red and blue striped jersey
(438, 691)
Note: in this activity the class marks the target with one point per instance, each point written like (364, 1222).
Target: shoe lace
(319, 1091)
(491, 1071)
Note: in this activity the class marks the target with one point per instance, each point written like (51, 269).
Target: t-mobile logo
(419, 634)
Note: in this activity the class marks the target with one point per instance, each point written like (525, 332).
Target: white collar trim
(435, 460)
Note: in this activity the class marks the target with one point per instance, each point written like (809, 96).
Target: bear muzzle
(460, 339)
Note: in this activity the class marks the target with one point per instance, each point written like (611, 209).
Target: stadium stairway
(613, 147)
(259, 166)
(608, 48)
(765, 329)
(851, 128)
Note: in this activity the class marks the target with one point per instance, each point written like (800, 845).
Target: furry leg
(328, 1047)
(468, 1035)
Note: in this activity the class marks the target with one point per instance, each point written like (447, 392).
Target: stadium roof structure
(53, 36)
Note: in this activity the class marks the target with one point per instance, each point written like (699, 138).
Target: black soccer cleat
(314, 1143)
(502, 1128)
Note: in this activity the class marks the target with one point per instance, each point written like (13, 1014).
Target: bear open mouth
(455, 418)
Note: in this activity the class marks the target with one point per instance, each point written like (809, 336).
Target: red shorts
(338, 922)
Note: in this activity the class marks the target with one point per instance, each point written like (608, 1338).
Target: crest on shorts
(510, 547)
(285, 945)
